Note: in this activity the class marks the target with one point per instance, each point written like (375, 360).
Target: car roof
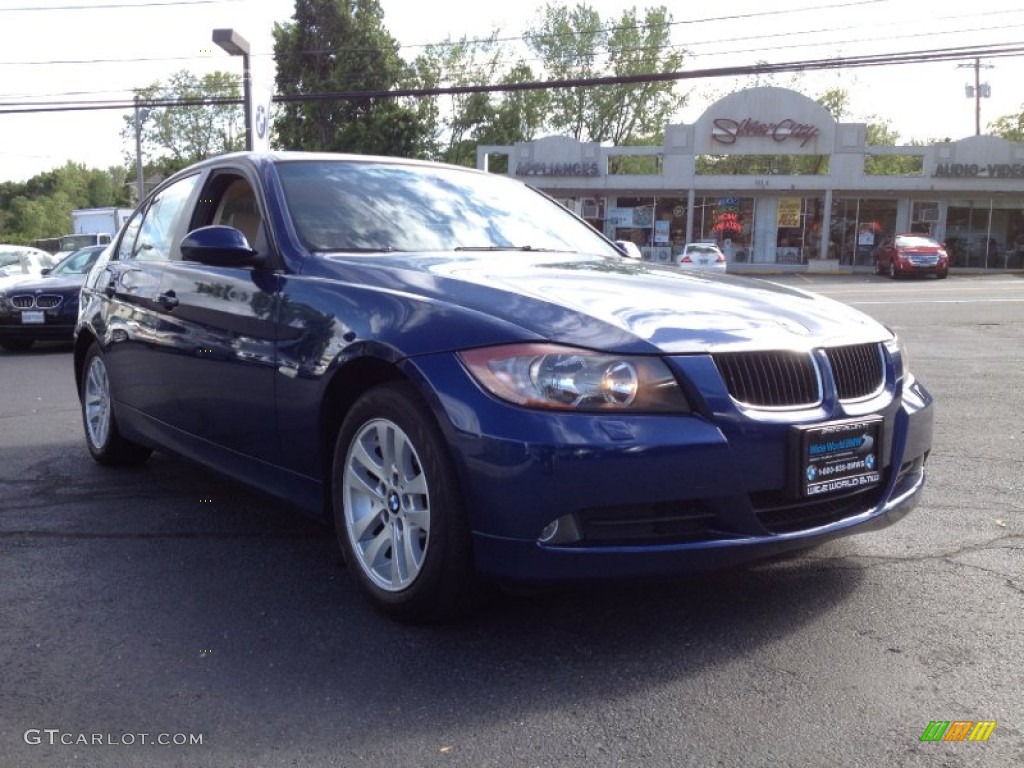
(295, 156)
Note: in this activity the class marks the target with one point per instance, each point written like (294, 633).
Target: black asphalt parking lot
(162, 616)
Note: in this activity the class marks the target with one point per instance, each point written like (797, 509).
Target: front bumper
(49, 331)
(658, 495)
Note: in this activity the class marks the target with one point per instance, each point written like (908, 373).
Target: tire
(394, 484)
(942, 275)
(17, 345)
(102, 436)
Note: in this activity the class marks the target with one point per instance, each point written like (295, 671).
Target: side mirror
(219, 246)
(45, 271)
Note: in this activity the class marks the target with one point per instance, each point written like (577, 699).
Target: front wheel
(398, 512)
(102, 435)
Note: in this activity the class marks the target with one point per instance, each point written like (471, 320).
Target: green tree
(41, 206)
(572, 43)
(837, 102)
(880, 133)
(519, 115)
(461, 122)
(456, 63)
(174, 137)
(1009, 127)
(343, 46)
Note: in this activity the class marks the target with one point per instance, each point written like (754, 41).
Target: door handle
(167, 300)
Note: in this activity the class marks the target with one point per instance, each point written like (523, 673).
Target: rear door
(134, 329)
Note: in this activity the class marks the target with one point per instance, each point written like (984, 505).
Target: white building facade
(769, 175)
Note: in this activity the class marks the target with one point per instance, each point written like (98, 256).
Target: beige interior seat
(238, 209)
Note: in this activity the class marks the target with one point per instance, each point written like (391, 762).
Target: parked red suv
(911, 255)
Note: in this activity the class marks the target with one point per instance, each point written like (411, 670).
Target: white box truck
(98, 221)
(92, 226)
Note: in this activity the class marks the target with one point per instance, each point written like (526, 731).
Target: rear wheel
(102, 435)
(398, 512)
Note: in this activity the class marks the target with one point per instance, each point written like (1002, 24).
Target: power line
(875, 60)
(705, 20)
(526, 36)
(119, 6)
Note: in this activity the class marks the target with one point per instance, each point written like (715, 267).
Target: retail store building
(770, 176)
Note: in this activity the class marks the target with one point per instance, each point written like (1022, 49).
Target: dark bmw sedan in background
(45, 308)
(475, 387)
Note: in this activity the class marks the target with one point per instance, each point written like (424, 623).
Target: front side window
(160, 222)
(373, 207)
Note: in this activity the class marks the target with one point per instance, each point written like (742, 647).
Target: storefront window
(984, 233)
(924, 217)
(728, 221)
(656, 224)
(858, 226)
(798, 231)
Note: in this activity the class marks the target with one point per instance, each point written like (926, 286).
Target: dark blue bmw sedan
(476, 387)
(45, 308)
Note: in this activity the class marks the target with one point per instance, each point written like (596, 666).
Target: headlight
(567, 378)
(895, 349)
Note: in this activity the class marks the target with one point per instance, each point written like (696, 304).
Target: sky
(59, 50)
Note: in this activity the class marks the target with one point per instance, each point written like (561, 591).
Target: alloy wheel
(387, 504)
(96, 401)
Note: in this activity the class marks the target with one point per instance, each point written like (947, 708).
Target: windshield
(916, 242)
(74, 242)
(10, 259)
(78, 263)
(373, 206)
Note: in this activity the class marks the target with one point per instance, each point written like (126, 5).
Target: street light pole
(236, 45)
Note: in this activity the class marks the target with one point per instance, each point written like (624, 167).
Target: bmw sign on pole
(262, 91)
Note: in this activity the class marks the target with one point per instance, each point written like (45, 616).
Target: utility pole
(976, 91)
(140, 191)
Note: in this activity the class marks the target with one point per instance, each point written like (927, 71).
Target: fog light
(564, 530)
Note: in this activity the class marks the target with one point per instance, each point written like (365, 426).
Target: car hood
(619, 305)
(6, 281)
(50, 284)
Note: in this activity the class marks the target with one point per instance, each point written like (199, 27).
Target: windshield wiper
(503, 248)
(384, 249)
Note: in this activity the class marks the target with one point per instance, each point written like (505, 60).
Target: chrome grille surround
(48, 301)
(771, 379)
(42, 301)
(857, 370)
